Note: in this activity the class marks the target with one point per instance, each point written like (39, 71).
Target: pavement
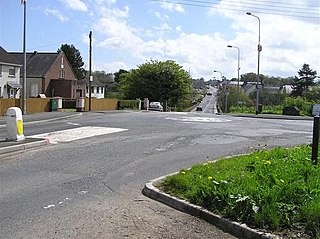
(150, 190)
(14, 146)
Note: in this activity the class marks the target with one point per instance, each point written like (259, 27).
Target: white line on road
(76, 134)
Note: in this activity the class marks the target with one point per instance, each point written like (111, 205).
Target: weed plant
(276, 190)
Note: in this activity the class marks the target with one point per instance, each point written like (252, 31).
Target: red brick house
(50, 74)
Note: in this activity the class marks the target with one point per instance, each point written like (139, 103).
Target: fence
(36, 105)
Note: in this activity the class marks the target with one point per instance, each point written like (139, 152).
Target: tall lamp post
(258, 77)
(24, 74)
(238, 89)
(90, 62)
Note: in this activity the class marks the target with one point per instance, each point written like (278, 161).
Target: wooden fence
(37, 105)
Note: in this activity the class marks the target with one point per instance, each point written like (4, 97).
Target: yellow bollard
(14, 123)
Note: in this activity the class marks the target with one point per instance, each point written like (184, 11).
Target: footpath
(13, 146)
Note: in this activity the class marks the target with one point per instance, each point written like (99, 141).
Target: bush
(128, 104)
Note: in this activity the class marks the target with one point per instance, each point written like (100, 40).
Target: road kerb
(234, 228)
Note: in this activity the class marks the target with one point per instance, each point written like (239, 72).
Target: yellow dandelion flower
(267, 162)
(210, 178)
(183, 172)
(281, 180)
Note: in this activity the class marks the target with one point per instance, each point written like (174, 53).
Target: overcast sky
(194, 33)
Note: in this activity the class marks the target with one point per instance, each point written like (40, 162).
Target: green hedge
(128, 104)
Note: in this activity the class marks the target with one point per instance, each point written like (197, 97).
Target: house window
(12, 71)
(34, 90)
(98, 90)
(92, 89)
(62, 75)
(0, 91)
(0, 70)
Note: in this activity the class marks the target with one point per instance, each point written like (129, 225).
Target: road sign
(316, 110)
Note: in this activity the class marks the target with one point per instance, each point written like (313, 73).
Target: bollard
(80, 104)
(315, 140)
(14, 124)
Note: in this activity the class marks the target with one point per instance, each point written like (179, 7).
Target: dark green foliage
(157, 81)
(304, 80)
(75, 60)
(128, 104)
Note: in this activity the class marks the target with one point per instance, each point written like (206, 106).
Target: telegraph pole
(90, 59)
(24, 73)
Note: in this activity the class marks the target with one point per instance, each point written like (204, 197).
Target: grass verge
(276, 190)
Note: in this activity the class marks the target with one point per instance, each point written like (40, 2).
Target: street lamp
(238, 90)
(259, 49)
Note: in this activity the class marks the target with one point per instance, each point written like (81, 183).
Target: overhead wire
(256, 7)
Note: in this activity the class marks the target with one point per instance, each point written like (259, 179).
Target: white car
(156, 106)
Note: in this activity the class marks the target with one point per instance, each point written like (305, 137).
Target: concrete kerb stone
(234, 228)
(22, 146)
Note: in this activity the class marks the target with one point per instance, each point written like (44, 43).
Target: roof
(14, 84)
(37, 63)
(5, 57)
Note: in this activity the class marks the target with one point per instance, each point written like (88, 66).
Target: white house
(9, 75)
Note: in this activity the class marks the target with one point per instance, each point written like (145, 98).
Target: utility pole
(24, 73)
(90, 59)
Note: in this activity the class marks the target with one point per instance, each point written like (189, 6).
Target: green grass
(274, 190)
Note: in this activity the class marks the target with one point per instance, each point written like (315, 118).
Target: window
(98, 89)
(0, 70)
(12, 71)
(0, 91)
(92, 89)
(62, 73)
(34, 90)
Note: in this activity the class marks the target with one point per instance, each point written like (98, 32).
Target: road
(209, 102)
(91, 187)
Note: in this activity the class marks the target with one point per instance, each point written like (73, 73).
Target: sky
(193, 33)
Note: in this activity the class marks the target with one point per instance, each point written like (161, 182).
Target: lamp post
(258, 77)
(90, 61)
(238, 89)
(24, 73)
(225, 91)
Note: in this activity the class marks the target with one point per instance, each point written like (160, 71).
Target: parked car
(156, 106)
(199, 108)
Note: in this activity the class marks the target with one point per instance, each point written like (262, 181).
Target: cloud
(56, 13)
(286, 46)
(172, 7)
(76, 5)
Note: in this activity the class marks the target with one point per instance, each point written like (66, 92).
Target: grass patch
(275, 190)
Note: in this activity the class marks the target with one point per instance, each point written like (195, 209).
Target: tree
(75, 60)
(157, 81)
(304, 81)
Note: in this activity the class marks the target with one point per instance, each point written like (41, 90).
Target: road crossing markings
(76, 134)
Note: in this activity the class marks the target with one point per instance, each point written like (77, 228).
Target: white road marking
(76, 134)
(49, 206)
(75, 124)
(200, 119)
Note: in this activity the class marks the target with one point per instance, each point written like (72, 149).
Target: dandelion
(209, 177)
(183, 172)
(281, 180)
(267, 162)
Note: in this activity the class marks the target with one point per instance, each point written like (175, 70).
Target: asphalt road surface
(85, 186)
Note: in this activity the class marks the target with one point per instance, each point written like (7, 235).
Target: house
(97, 88)
(50, 74)
(9, 75)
